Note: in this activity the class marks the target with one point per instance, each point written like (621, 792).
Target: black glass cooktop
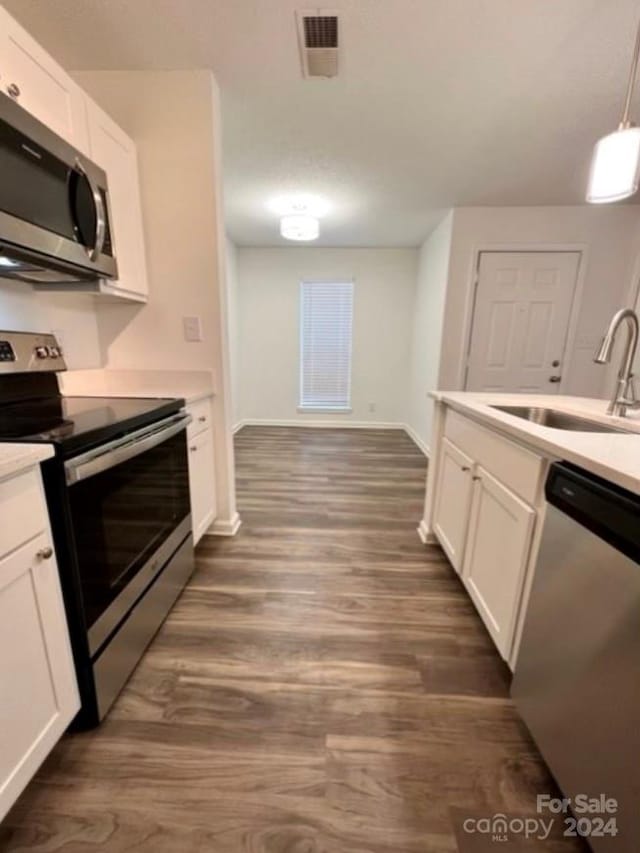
(74, 424)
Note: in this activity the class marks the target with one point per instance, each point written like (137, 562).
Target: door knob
(45, 553)
(555, 378)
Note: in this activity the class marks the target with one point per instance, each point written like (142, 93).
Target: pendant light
(615, 167)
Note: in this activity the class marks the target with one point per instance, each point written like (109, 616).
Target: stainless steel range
(118, 497)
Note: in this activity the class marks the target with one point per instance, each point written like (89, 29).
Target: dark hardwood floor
(323, 685)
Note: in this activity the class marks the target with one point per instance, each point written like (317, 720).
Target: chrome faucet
(624, 396)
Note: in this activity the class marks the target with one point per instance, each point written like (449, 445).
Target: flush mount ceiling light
(300, 227)
(299, 215)
(616, 159)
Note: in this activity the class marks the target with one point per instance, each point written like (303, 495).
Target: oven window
(122, 515)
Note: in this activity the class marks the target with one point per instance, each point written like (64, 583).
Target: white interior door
(521, 316)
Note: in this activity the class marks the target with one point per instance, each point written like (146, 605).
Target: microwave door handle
(101, 218)
(101, 222)
(92, 463)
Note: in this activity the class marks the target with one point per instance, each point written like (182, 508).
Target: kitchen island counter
(613, 456)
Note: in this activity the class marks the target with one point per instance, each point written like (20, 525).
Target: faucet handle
(628, 398)
(630, 388)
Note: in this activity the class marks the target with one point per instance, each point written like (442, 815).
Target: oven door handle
(108, 456)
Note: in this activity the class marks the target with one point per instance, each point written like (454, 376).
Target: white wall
(173, 116)
(232, 323)
(268, 330)
(72, 317)
(431, 291)
(608, 236)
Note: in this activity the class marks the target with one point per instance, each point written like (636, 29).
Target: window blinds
(326, 316)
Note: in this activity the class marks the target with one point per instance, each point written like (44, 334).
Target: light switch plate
(192, 327)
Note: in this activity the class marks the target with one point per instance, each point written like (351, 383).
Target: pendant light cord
(625, 123)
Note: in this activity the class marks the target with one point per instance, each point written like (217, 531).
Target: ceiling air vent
(318, 36)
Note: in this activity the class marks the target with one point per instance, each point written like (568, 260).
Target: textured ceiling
(438, 102)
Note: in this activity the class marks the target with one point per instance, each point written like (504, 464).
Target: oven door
(130, 511)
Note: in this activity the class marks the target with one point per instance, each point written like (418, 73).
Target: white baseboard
(225, 527)
(413, 435)
(306, 422)
(237, 427)
(426, 537)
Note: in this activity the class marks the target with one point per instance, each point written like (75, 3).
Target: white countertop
(190, 385)
(613, 456)
(17, 457)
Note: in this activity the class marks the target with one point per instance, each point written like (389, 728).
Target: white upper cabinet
(115, 152)
(32, 78)
(35, 81)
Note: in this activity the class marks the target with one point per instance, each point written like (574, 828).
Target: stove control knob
(42, 352)
(54, 352)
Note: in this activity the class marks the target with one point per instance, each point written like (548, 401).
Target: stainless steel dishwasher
(577, 677)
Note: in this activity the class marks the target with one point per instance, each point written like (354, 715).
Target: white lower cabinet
(202, 468)
(453, 501)
(496, 554)
(486, 495)
(39, 693)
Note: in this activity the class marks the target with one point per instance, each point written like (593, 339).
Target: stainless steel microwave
(55, 224)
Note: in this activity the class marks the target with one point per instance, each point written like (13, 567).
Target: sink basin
(558, 420)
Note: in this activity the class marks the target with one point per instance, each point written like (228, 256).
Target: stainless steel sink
(558, 420)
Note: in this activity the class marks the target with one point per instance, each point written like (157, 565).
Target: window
(326, 315)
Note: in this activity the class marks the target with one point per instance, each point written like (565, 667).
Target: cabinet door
(453, 500)
(39, 689)
(31, 77)
(496, 555)
(202, 483)
(116, 153)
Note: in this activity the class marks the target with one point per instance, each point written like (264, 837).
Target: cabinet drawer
(515, 466)
(24, 512)
(200, 411)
